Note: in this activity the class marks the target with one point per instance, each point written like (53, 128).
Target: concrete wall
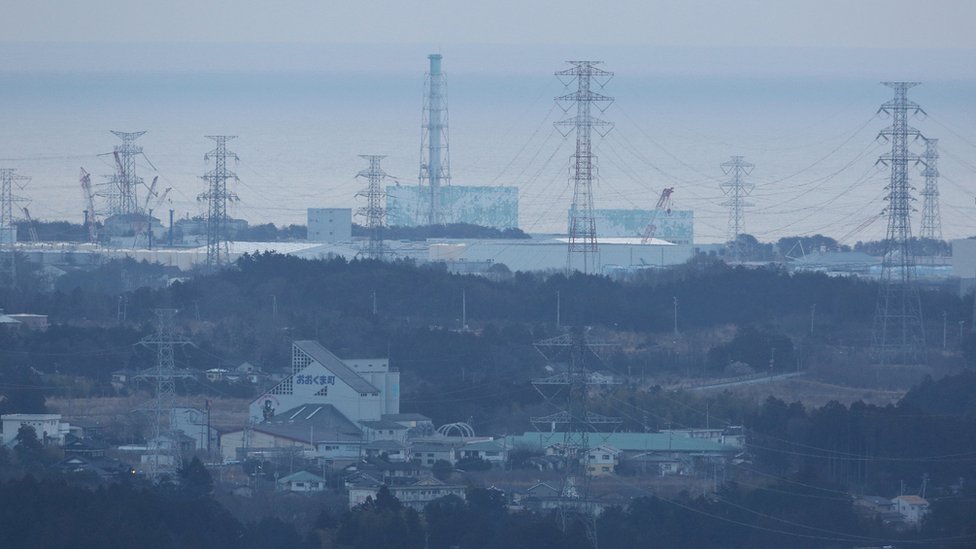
(408, 205)
(329, 224)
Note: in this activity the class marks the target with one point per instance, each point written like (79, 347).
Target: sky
(308, 86)
(742, 35)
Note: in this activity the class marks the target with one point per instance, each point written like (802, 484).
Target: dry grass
(225, 412)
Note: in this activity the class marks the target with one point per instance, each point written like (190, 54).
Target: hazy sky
(772, 23)
(309, 85)
(772, 36)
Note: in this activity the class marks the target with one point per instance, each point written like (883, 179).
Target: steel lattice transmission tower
(583, 170)
(8, 231)
(374, 211)
(931, 226)
(737, 190)
(569, 393)
(217, 196)
(123, 185)
(899, 335)
(163, 377)
(435, 162)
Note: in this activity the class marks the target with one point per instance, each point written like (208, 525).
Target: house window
(605, 469)
(299, 485)
(606, 457)
(313, 485)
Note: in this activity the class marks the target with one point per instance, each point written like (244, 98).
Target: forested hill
(708, 292)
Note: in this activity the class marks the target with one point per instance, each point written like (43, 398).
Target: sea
(813, 142)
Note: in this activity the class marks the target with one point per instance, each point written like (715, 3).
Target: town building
(49, 428)
(359, 389)
(416, 495)
(310, 430)
(911, 508)
(303, 482)
(602, 460)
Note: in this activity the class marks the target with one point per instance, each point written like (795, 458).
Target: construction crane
(31, 230)
(150, 194)
(663, 204)
(86, 188)
(162, 198)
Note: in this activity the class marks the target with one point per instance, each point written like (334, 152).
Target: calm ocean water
(812, 141)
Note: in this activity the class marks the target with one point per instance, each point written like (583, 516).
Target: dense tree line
(255, 309)
(930, 433)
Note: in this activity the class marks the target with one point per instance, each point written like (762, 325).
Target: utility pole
(374, 211)
(675, 298)
(813, 317)
(898, 334)
(558, 306)
(737, 190)
(583, 172)
(216, 196)
(8, 231)
(164, 375)
(435, 164)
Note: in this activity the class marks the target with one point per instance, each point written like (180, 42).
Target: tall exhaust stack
(435, 170)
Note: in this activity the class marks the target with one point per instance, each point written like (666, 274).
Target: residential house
(429, 452)
(492, 451)
(602, 460)
(390, 450)
(383, 429)
(912, 508)
(416, 495)
(302, 481)
(418, 425)
(650, 463)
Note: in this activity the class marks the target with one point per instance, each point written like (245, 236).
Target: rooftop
(642, 442)
(334, 364)
(301, 476)
(917, 500)
(311, 423)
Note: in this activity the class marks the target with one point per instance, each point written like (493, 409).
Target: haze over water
(811, 136)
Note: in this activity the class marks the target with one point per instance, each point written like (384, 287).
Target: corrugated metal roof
(335, 365)
(318, 422)
(657, 442)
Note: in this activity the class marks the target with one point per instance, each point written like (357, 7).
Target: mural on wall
(677, 227)
(496, 207)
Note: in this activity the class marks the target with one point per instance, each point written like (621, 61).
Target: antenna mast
(931, 226)
(374, 211)
(737, 190)
(575, 420)
(216, 198)
(162, 456)
(8, 231)
(899, 334)
(583, 170)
